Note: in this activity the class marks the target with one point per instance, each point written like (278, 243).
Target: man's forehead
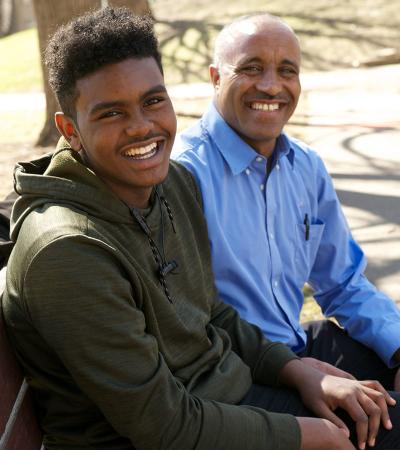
(242, 33)
(131, 78)
(129, 70)
(259, 25)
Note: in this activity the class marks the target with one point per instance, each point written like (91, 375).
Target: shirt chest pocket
(308, 238)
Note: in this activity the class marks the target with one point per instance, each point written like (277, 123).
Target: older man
(273, 216)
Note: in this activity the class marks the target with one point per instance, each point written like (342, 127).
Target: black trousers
(328, 342)
(281, 400)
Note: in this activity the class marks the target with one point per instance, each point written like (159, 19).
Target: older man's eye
(251, 69)
(288, 71)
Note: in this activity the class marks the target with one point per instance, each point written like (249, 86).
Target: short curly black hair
(91, 41)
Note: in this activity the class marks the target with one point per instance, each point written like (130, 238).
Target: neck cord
(164, 267)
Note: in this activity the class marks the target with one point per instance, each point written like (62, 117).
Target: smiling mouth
(265, 106)
(148, 151)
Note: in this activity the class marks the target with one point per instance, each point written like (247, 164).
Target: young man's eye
(154, 101)
(108, 114)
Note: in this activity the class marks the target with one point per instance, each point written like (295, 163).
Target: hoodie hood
(63, 178)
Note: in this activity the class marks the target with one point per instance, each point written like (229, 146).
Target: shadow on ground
(355, 32)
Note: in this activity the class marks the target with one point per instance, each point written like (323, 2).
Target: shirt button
(259, 159)
(262, 187)
(248, 172)
(271, 235)
(278, 167)
(275, 283)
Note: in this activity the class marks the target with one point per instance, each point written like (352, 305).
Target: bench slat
(10, 378)
(18, 425)
(22, 432)
(19, 401)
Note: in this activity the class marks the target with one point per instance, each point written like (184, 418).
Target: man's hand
(365, 401)
(327, 368)
(320, 433)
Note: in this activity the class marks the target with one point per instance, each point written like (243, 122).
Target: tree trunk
(7, 14)
(51, 14)
(139, 7)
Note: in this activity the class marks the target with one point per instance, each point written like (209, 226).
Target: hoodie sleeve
(265, 358)
(86, 313)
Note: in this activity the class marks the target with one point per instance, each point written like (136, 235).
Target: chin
(158, 177)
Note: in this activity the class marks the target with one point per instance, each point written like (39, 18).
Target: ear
(67, 128)
(214, 75)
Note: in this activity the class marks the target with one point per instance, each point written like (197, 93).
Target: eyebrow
(101, 106)
(106, 105)
(259, 60)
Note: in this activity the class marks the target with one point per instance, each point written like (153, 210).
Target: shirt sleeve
(86, 313)
(341, 288)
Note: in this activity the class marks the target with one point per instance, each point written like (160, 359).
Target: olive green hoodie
(113, 364)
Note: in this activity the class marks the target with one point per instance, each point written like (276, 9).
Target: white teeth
(265, 106)
(142, 152)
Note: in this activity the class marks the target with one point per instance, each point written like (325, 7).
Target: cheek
(166, 119)
(172, 124)
(229, 100)
(97, 146)
(295, 90)
(232, 92)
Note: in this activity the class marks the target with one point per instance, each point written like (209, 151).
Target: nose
(139, 125)
(269, 83)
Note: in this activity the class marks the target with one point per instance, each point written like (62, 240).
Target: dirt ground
(334, 34)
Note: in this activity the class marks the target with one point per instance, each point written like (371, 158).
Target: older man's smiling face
(257, 84)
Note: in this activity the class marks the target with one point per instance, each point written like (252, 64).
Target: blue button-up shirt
(270, 236)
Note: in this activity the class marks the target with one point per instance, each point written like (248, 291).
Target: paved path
(352, 118)
(360, 145)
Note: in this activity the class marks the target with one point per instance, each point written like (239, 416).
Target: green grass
(311, 309)
(20, 69)
(20, 63)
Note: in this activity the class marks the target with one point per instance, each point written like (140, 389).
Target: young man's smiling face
(257, 85)
(125, 126)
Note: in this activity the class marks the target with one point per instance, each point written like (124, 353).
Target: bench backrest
(18, 425)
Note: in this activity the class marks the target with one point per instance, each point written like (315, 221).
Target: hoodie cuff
(271, 362)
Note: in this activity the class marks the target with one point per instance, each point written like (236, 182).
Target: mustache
(265, 96)
(147, 137)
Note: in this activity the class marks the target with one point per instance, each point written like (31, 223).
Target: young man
(273, 216)
(110, 302)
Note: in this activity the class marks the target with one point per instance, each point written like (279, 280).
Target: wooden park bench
(19, 429)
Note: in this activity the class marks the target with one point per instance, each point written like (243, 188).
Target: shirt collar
(283, 147)
(227, 139)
